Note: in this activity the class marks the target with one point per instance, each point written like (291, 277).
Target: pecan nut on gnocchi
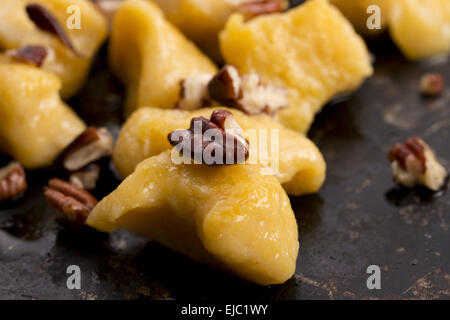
(301, 168)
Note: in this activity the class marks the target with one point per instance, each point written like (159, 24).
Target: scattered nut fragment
(74, 203)
(414, 163)
(90, 146)
(34, 55)
(259, 7)
(86, 178)
(220, 133)
(45, 21)
(13, 181)
(259, 98)
(432, 84)
(194, 92)
(246, 92)
(108, 7)
(225, 87)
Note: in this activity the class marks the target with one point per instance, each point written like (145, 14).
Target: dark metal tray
(358, 219)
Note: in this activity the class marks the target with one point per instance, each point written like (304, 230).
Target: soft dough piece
(17, 30)
(356, 12)
(210, 17)
(301, 165)
(311, 50)
(200, 20)
(421, 28)
(151, 56)
(230, 217)
(35, 124)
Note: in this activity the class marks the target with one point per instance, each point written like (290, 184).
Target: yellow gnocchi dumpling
(36, 125)
(69, 57)
(151, 56)
(312, 51)
(295, 160)
(421, 28)
(230, 217)
(360, 11)
(201, 21)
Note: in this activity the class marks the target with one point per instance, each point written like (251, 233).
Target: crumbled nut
(432, 84)
(246, 92)
(225, 120)
(74, 203)
(194, 92)
(45, 21)
(259, 98)
(90, 146)
(86, 178)
(414, 163)
(225, 87)
(259, 7)
(34, 55)
(12, 181)
(108, 7)
(220, 132)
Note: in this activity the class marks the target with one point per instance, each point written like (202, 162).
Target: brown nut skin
(220, 116)
(432, 84)
(400, 152)
(12, 181)
(259, 7)
(45, 21)
(225, 87)
(414, 163)
(230, 144)
(34, 55)
(72, 202)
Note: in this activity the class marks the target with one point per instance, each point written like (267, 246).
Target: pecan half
(246, 92)
(216, 141)
(34, 55)
(194, 92)
(414, 163)
(72, 202)
(432, 84)
(45, 21)
(13, 181)
(90, 146)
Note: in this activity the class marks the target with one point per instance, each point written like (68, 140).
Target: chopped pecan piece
(246, 92)
(108, 7)
(90, 146)
(414, 163)
(13, 181)
(216, 141)
(72, 202)
(34, 55)
(194, 92)
(432, 84)
(45, 21)
(86, 178)
(259, 7)
(225, 87)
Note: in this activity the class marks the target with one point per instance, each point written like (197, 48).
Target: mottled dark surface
(359, 218)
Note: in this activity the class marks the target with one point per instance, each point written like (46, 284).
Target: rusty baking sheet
(359, 218)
